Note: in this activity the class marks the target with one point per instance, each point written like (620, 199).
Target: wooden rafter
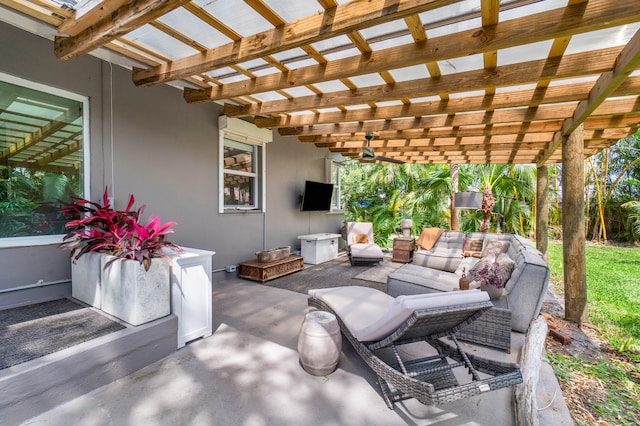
(99, 29)
(333, 22)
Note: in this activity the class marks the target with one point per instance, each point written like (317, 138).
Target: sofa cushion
(442, 259)
(413, 279)
(465, 266)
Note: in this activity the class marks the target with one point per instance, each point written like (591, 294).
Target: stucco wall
(165, 152)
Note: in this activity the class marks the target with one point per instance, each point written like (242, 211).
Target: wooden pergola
(437, 81)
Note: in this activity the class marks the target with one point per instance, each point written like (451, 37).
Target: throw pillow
(505, 268)
(476, 272)
(495, 247)
(361, 239)
(472, 247)
(429, 237)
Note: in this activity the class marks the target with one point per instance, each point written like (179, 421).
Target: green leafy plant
(99, 228)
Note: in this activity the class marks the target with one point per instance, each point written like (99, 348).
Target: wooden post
(573, 233)
(542, 210)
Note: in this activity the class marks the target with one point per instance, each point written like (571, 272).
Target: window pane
(335, 180)
(238, 190)
(41, 159)
(239, 156)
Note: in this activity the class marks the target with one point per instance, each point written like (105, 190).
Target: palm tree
(512, 182)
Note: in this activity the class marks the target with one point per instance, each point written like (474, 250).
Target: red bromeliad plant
(99, 228)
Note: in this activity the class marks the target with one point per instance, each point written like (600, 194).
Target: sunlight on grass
(613, 292)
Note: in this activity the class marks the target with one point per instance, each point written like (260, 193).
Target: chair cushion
(366, 251)
(371, 315)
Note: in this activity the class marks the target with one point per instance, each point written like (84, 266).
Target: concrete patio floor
(248, 373)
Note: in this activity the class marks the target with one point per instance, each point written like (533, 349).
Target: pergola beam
(333, 22)
(626, 62)
(100, 29)
(451, 136)
(542, 26)
(90, 13)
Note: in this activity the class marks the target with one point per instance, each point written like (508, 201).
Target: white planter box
(135, 295)
(191, 293)
(85, 278)
(318, 248)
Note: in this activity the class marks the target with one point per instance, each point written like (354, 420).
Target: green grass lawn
(613, 293)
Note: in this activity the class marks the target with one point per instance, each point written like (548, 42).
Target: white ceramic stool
(319, 343)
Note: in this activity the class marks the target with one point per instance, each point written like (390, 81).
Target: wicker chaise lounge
(378, 325)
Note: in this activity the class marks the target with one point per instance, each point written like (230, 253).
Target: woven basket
(273, 254)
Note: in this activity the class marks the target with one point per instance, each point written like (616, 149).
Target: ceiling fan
(368, 154)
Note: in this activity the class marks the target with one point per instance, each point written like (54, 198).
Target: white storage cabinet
(318, 248)
(191, 293)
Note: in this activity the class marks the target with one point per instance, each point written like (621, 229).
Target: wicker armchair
(377, 325)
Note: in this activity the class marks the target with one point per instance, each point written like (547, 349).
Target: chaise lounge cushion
(371, 315)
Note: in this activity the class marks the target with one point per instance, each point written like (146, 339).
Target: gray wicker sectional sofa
(440, 268)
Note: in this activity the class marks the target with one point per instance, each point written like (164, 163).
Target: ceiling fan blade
(368, 153)
(389, 160)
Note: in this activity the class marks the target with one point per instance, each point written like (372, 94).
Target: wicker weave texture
(492, 329)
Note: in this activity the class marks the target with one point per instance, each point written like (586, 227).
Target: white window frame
(237, 130)
(54, 239)
(332, 164)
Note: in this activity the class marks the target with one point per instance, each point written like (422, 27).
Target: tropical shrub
(119, 233)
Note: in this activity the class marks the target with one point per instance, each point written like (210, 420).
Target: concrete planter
(86, 275)
(133, 294)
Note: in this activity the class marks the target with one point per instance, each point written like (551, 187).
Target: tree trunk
(488, 202)
(455, 217)
(573, 241)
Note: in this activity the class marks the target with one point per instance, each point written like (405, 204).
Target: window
(240, 175)
(43, 157)
(242, 167)
(334, 175)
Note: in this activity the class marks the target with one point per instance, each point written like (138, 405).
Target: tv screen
(317, 196)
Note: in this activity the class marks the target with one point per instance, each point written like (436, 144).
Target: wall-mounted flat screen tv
(317, 196)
